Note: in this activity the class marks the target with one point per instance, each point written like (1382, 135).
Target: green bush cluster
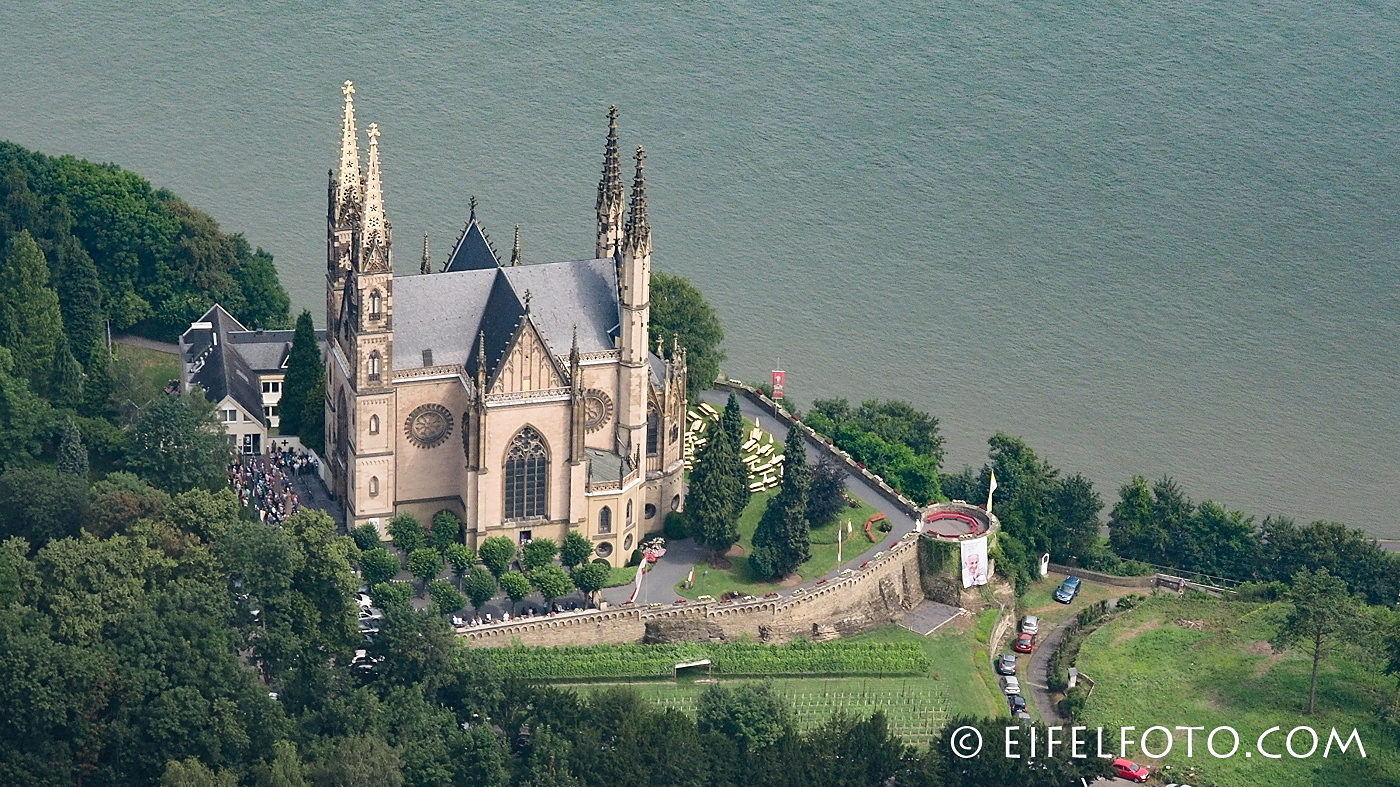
(1088, 619)
(738, 658)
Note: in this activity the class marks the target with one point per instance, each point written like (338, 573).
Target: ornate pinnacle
(374, 223)
(638, 229)
(427, 266)
(610, 186)
(527, 302)
(349, 188)
(515, 249)
(472, 204)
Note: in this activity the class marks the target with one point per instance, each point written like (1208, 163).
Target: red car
(1024, 643)
(1127, 769)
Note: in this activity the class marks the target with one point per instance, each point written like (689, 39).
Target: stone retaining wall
(1106, 579)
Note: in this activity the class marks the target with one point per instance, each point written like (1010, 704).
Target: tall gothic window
(526, 473)
(374, 424)
(653, 431)
(605, 520)
(374, 486)
(376, 303)
(374, 361)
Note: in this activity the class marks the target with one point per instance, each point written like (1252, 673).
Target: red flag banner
(779, 378)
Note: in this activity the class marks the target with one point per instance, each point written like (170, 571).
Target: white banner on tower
(974, 561)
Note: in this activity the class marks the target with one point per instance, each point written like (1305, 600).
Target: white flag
(990, 489)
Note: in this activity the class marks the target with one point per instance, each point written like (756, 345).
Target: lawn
(1040, 600)
(141, 374)
(739, 577)
(1204, 662)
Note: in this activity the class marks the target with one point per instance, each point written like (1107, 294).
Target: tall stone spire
(427, 265)
(374, 229)
(348, 186)
(610, 203)
(638, 231)
(515, 260)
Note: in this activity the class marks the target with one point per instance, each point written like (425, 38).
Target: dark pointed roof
(473, 251)
(498, 323)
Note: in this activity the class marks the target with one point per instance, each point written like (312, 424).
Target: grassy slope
(145, 371)
(1152, 671)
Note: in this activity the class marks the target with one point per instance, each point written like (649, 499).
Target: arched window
(374, 361)
(629, 513)
(374, 486)
(605, 520)
(374, 424)
(653, 431)
(526, 475)
(376, 302)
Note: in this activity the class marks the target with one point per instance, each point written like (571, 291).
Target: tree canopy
(680, 312)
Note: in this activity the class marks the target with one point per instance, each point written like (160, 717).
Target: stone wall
(874, 596)
(1106, 579)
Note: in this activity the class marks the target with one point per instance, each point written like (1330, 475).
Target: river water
(1151, 238)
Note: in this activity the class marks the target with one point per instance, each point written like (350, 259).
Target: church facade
(523, 398)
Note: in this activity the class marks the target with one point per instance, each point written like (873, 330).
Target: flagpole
(992, 487)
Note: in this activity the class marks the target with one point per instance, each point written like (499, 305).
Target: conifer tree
(732, 422)
(783, 539)
(301, 409)
(710, 501)
(97, 386)
(66, 378)
(72, 454)
(30, 320)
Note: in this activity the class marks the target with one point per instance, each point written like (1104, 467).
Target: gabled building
(241, 371)
(522, 397)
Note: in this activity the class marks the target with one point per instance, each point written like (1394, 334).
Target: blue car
(1067, 590)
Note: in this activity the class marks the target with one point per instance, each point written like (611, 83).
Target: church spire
(375, 227)
(638, 234)
(427, 265)
(515, 259)
(348, 188)
(609, 203)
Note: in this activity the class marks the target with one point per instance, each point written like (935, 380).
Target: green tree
(378, 565)
(301, 412)
(1132, 532)
(424, 564)
(66, 379)
(366, 537)
(548, 762)
(713, 490)
(783, 539)
(590, 578)
(538, 553)
(445, 596)
(577, 549)
(516, 586)
(480, 587)
(31, 322)
(1323, 613)
(178, 444)
(497, 552)
(98, 385)
(40, 505)
(391, 595)
(826, 498)
(407, 533)
(680, 312)
(732, 422)
(1075, 525)
(283, 770)
(750, 714)
(22, 416)
(190, 772)
(359, 761)
(461, 558)
(72, 454)
(552, 582)
(447, 530)
(266, 302)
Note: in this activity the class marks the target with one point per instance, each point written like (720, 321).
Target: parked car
(364, 601)
(1010, 685)
(1127, 769)
(1024, 643)
(1006, 664)
(1067, 590)
(1017, 703)
(1030, 624)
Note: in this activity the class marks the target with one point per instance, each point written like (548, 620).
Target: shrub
(366, 537)
(635, 559)
(378, 565)
(445, 596)
(675, 527)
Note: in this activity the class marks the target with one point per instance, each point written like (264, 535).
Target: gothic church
(523, 398)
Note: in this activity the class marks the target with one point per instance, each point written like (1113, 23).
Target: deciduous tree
(577, 549)
(516, 586)
(461, 558)
(178, 444)
(445, 596)
(378, 565)
(590, 577)
(480, 587)
(407, 533)
(424, 564)
(538, 553)
(447, 530)
(1322, 612)
(679, 311)
(496, 553)
(552, 582)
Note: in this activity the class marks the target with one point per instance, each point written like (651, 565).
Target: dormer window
(376, 303)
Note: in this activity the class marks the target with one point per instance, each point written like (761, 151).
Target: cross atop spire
(515, 249)
(348, 187)
(638, 229)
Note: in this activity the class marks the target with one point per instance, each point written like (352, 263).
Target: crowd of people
(265, 482)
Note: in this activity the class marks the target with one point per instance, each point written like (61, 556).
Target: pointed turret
(426, 266)
(348, 188)
(638, 231)
(374, 228)
(515, 260)
(609, 203)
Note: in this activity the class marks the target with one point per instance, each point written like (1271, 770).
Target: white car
(1030, 624)
(364, 601)
(1010, 685)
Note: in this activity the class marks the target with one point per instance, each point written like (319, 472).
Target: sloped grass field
(1206, 663)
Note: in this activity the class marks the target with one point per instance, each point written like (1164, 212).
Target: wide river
(1153, 238)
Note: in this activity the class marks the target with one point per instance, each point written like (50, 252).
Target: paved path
(1039, 669)
(660, 581)
(928, 616)
(149, 344)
